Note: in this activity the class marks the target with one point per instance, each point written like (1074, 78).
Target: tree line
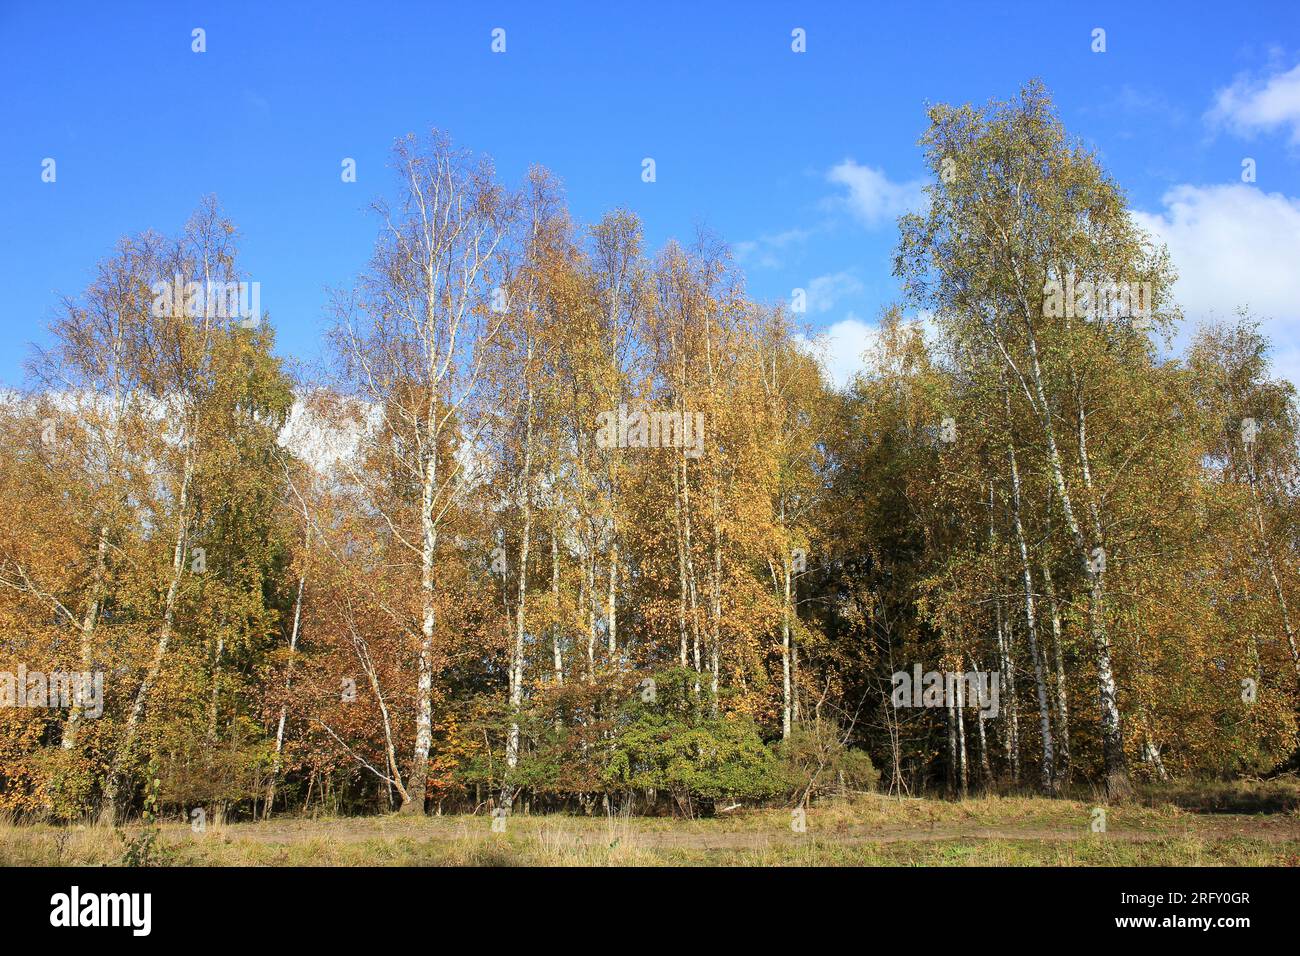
(566, 523)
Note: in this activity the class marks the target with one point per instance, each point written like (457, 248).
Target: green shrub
(673, 743)
(817, 762)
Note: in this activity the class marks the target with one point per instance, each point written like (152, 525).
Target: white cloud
(929, 327)
(1233, 245)
(840, 348)
(1248, 107)
(843, 348)
(1236, 246)
(825, 291)
(766, 252)
(872, 197)
(322, 443)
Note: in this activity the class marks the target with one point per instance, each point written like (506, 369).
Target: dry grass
(870, 830)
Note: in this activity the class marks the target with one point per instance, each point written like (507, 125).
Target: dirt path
(691, 836)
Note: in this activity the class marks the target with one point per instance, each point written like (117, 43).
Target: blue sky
(800, 160)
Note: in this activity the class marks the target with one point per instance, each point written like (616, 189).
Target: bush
(816, 762)
(667, 738)
(673, 743)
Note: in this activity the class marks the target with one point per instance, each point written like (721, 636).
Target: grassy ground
(871, 831)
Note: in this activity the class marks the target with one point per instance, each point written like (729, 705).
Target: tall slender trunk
(390, 751)
(715, 576)
(588, 602)
(1010, 712)
(587, 543)
(288, 687)
(795, 716)
(111, 809)
(1047, 778)
(951, 722)
(556, 653)
(557, 658)
(1117, 780)
(1266, 548)
(214, 698)
(95, 598)
(611, 609)
(787, 683)
(960, 706)
(681, 568)
(517, 653)
(417, 785)
(986, 774)
(87, 629)
(691, 587)
(1062, 704)
(715, 609)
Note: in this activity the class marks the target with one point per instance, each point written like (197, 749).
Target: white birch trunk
(1047, 778)
(112, 785)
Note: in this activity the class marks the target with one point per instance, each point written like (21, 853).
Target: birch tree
(410, 343)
